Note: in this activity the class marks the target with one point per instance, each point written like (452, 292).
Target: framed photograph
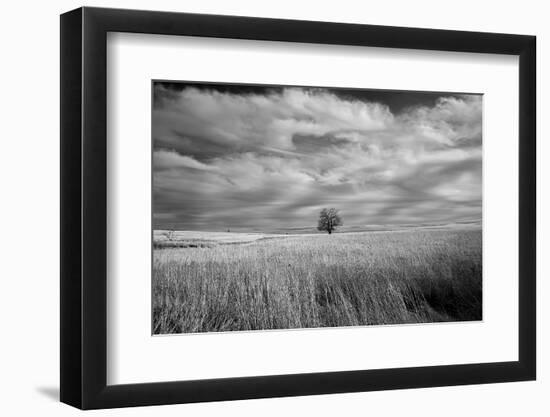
(256, 208)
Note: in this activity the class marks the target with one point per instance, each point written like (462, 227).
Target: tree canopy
(328, 220)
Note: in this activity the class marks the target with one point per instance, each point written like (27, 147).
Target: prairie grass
(304, 281)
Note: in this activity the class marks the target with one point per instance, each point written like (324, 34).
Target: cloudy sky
(245, 157)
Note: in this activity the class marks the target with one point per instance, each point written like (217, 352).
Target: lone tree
(328, 220)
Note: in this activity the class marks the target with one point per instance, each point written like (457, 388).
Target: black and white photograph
(282, 207)
(274, 204)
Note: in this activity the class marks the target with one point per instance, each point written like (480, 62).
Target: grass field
(229, 281)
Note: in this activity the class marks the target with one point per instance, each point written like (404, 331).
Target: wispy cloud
(270, 159)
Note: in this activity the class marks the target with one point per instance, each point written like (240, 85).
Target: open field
(168, 239)
(232, 281)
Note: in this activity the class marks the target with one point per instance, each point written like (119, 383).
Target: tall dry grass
(318, 281)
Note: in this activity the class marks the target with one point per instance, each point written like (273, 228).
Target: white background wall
(29, 176)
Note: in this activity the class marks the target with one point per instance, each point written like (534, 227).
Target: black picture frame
(84, 207)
